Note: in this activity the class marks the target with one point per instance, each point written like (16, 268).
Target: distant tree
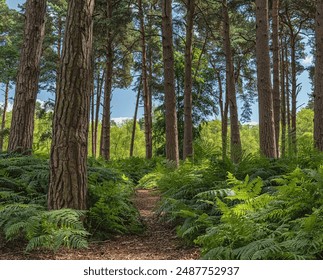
(22, 123)
(68, 159)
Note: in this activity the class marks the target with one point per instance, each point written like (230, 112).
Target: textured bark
(236, 150)
(4, 114)
(276, 66)
(68, 159)
(22, 123)
(106, 118)
(146, 93)
(318, 90)
(133, 134)
(188, 120)
(169, 83)
(266, 116)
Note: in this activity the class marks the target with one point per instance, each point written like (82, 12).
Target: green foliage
(43, 229)
(273, 213)
(23, 214)
(111, 210)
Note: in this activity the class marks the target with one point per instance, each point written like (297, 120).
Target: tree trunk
(224, 108)
(236, 150)
(97, 108)
(68, 159)
(106, 118)
(22, 123)
(318, 90)
(266, 116)
(169, 83)
(132, 144)
(146, 93)
(293, 95)
(4, 114)
(283, 101)
(276, 64)
(188, 120)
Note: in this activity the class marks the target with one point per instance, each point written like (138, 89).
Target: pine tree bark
(106, 118)
(146, 93)
(318, 89)
(188, 82)
(236, 149)
(68, 159)
(172, 153)
(276, 66)
(266, 116)
(4, 114)
(22, 122)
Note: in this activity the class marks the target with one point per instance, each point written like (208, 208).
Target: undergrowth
(258, 209)
(24, 214)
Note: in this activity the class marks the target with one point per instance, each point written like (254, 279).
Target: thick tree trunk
(68, 159)
(22, 123)
(106, 118)
(276, 77)
(4, 114)
(318, 90)
(133, 134)
(169, 83)
(236, 150)
(188, 120)
(266, 116)
(146, 93)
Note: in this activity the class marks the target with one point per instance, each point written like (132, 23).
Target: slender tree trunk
(188, 120)
(276, 77)
(146, 93)
(97, 108)
(4, 114)
(288, 103)
(293, 95)
(132, 144)
(266, 117)
(224, 108)
(283, 101)
(318, 90)
(236, 149)
(106, 119)
(93, 143)
(169, 83)
(22, 123)
(68, 159)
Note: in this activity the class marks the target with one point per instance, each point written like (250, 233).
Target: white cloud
(120, 120)
(308, 60)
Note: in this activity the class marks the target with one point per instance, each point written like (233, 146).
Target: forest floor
(158, 242)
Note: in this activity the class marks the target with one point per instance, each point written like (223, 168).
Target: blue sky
(123, 101)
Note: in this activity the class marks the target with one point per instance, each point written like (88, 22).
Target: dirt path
(158, 242)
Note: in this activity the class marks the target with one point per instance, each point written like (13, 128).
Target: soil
(158, 242)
